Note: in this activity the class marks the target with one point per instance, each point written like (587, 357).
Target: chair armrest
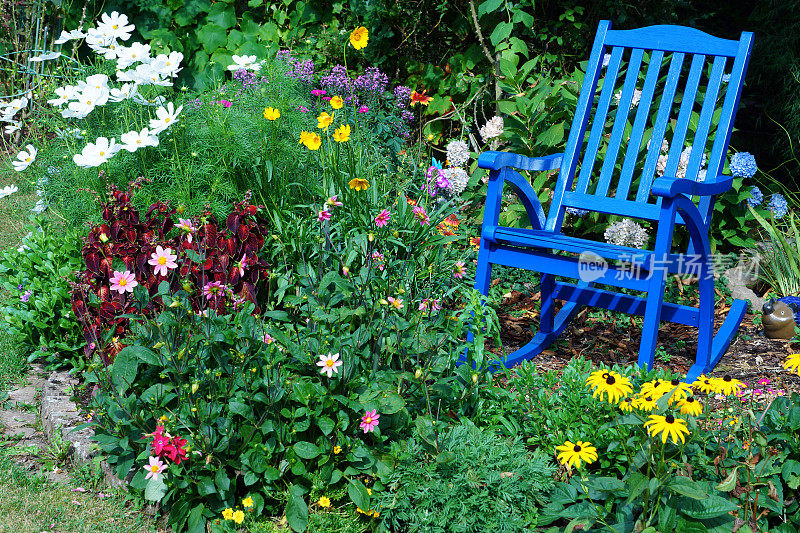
(669, 187)
(498, 160)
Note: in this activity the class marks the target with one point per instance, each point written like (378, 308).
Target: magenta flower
(163, 260)
(329, 364)
(123, 282)
(333, 201)
(377, 257)
(397, 303)
(460, 270)
(303, 109)
(383, 218)
(323, 215)
(225, 103)
(421, 215)
(363, 109)
(268, 339)
(764, 381)
(319, 92)
(187, 226)
(369, 421)
(155, 468)
(430, 303)
(214, 289)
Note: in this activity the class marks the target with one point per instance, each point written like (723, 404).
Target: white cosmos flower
(94, 155)
(45, 57)
(128, 90)
(13, 107)
(99, 42)
(98, 81)
(167, 116)
(115, 26)
(135, 53)
(132, 140)
(64, 94)
(69, 35)
(25, 158)
(8, 191)
(329, 364)
(157, 101)
(245, 62)
(142, 75)
(89, 98)
(11, 128)
(168, 65)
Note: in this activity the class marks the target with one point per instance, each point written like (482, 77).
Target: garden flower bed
(265, 290)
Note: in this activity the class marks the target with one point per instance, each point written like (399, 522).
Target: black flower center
(675, 382)
(690, 399)
(669, 419)
(576, 448)
(648, 399)
(610, 379)
(727, 378)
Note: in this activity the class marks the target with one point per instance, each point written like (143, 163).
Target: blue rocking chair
(670, 76)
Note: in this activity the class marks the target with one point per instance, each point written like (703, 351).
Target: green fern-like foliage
(477, 481)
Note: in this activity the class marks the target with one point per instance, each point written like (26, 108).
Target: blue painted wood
(667, 200)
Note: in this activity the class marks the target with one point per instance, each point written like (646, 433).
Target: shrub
(37, 278)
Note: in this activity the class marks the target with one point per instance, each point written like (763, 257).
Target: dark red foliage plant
(218, 267)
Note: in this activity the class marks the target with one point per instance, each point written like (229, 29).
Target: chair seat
(558, 241)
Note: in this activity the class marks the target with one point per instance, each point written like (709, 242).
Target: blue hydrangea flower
(743, 165)
(778, 205)
(757, 197)
(577, 212)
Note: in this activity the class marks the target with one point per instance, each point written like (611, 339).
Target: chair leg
(547, 308)
(652, 318)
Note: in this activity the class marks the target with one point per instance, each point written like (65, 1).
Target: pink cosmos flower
(214, 289)
(155, 468)
(421, 215)
(323, 215)
(163, 260)
(378, 259)
(382, 218)
(123, 281)
(397, 303)
(327, 98)
(363, 109)
(764, 381)
(329, 364)
(333, 201)
(319, 92)
(268, 339)
(369, 421)
(225, 103)
(430, 303)
(460, 270)
(303, 109)
(187, 226)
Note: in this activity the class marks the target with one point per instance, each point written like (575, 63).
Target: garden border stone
(59, 414)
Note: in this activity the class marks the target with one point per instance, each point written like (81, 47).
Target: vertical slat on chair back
(660, 82)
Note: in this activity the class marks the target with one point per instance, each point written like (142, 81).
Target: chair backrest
(643, 87)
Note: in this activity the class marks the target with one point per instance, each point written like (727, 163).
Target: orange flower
(359, 37)
(421, 98)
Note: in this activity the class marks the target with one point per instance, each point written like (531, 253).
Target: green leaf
(358, 494)
(124, 370)
(306, 450)
(156, 488)
(637, 482)
(221, 480)
(222, 15)
(240, 408)
(392, 404)
(729, 483)
(710, 507)
(326, 425)
(197, 524)
(296, 509)
(686, 487)
(501, 32)
(211, 36)
(489, 6)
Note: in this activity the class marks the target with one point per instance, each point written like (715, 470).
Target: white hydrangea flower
(457, 177)
(457, 153)
(492, 129)
(626, 232)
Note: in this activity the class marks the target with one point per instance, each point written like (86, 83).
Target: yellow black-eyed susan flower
(626, 405)
(793, 363)
(667, 426)
(655, 389)
(573, 454)
(704, 384)
(612, 387)
(682, 390)
(690, 406)
(645, 403)
(726, 385)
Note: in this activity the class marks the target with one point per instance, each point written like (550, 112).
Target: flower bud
(175, 303)
(474, 378)
(195, 387)
(181, 208)
(158, 345)
(371, 237)
(395, 234)
(418, 373)
(383, 302)
(103, 238)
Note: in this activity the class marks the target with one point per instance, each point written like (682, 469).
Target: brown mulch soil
(608, 338)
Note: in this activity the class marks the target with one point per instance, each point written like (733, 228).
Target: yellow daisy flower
(324, 502)
(227, 514)
(324, 120)
(270, 113)
(682, 390)
(359, 38)
(690, 406)
(312, 141)
(247, 502)
(793, 363)
(337, 102)
(645, 403)
(654, 389)
(337, 450)
(359, 184)
(626, 405)
(668, 426)
(342, 133)
(573, 454)
(238, 517)
(704, 384)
